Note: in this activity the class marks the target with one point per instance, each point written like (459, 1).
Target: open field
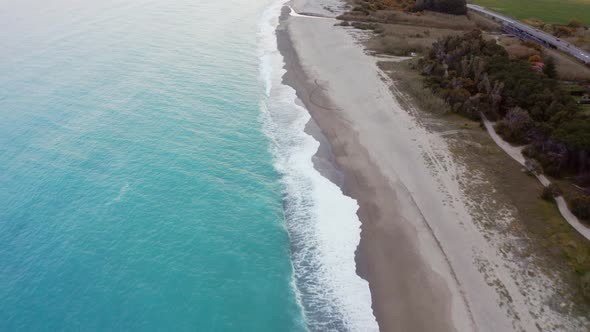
(550, 11)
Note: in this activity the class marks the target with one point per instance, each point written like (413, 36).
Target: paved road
(530, 32)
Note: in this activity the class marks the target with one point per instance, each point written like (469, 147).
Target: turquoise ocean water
(147, 175)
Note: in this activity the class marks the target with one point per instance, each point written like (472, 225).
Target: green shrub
(454, 7)
(580, 207)
(515, 126)
(575, 24)
(550, 192)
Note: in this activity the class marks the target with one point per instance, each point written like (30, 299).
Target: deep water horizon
(155, 176)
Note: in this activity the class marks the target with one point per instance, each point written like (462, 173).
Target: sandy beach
(429, 266)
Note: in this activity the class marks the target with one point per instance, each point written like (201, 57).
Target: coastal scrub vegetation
(477, 76)
(402, 34)
(454, 7)
(550, 192)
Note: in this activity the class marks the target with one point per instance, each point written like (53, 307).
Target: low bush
(533, 45)
(550, 192)
(453, 7)
(396, 45)
(521, 52)
(515, 126)
(580, 207)
(364, 25)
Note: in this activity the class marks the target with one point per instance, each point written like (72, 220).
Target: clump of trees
(515, 125)
(454, 7)
(476, 76)
(580, 206)
(368, 6)
(550, 192)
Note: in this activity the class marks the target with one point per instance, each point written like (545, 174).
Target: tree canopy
(477, 76)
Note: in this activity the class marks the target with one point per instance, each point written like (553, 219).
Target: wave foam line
(322, 223)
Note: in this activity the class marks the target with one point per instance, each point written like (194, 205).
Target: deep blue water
(137, 188)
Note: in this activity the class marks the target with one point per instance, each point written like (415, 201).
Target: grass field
(549, 11)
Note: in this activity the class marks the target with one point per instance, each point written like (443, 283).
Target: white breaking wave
(322, 223)
(296, 14)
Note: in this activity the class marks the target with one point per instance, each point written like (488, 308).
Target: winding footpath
(516, 153)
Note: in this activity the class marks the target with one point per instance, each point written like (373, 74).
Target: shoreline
(430, 262)
(323, 228)
(396, 308)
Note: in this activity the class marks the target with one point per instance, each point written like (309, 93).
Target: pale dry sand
(429, 266)
(322, 8)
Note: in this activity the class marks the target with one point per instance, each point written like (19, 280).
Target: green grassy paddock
(549, 11)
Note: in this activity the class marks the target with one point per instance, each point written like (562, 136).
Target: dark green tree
(455, 7)
(550, 68)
